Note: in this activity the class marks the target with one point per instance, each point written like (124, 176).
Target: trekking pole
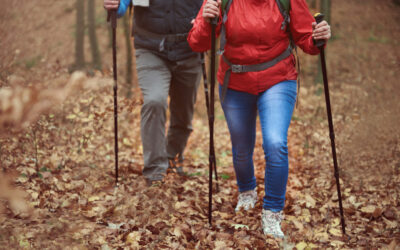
(320, 44)
(212, 160)
(203, 67)
(112, 16)
(206, 93)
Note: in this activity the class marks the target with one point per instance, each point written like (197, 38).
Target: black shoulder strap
(223, 30)
(284, 9)
(285, 14)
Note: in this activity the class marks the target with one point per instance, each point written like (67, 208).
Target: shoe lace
(272, 220)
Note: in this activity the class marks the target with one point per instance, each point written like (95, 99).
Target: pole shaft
(205, 83)
(332, 135)
(206, 92)
(115, 88)
(211, 120)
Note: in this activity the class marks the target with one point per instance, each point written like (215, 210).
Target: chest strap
(237, 68)
(161, 37)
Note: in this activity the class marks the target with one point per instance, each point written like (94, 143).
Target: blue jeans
(275, 108)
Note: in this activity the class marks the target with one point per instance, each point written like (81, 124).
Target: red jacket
(254, 35)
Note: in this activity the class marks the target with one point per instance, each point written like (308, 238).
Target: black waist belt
(162, 37)
(236, 68)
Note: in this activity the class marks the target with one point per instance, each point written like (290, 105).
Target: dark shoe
(176, 167)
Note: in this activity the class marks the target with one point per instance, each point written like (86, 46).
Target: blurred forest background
(56, 141)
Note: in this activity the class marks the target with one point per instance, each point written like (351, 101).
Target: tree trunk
(80, 35)
(326, 9)
(313, 4)
(96, 58)
(128, 41)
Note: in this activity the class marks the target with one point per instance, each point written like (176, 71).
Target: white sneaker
(246, 200)
(271, 223)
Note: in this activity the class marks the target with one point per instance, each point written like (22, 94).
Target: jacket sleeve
(123, 6)
(199, 36)
(301, 26)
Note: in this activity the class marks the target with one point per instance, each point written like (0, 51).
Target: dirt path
(74, 204)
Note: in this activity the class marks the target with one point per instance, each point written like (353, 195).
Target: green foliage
(32, 62)
(44, 169)
(60, 166)
(318, 92)
(295, 118)
(335, 37)
(195, 174)
(220, 117)
(101, 20)
(225, 176)
(376, 39)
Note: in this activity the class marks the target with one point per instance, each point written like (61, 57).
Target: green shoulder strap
(286, 4)
(223, 5)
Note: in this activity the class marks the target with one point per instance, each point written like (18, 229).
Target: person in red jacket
(257, 74)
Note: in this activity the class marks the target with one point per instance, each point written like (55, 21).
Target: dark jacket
(169, 21)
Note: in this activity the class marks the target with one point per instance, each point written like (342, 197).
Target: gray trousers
(158, 79)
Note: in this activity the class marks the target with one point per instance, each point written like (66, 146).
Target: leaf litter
(58, 190)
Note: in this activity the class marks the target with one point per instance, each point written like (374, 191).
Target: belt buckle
(180, 37)
(237, 68)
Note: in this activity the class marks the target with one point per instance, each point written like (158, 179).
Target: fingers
(321, 30)
(111, 4)
(211, 9)
(313, 25)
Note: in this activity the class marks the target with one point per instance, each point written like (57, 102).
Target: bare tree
(91, 12)
(80, 35)
(326, 9)
(129, 64)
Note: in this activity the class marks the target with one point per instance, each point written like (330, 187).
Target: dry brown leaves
(64, 165)
(75, 202)
(19, 106)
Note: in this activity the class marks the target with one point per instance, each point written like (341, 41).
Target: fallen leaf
(335, 232)
(377, 212)
(133, 238)
(310, 202)
(300, 246)
(93, 198)
(368, 209)
(219, 245)
(238, 226)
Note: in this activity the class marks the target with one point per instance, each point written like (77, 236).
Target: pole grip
(214, 21)
(319, 17)
(112, 17)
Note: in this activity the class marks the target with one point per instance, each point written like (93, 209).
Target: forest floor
(72, 202)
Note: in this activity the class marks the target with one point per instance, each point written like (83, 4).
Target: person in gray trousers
(166, 67)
